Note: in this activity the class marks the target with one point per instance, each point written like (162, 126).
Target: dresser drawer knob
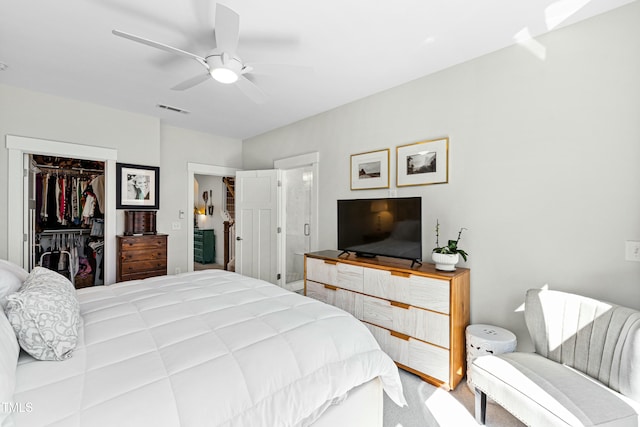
(332, 288)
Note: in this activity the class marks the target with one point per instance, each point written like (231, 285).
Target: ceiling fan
(222, 64)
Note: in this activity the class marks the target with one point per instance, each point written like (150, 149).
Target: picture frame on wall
(137, 186)
(370, 170)
(423, 163)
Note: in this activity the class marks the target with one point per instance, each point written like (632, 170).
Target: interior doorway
(211, 212)
(67, 217)
(297, 187)
(19, 147)
(300, 215)
(196, 203)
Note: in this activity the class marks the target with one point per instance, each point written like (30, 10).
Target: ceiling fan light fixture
(224, 75)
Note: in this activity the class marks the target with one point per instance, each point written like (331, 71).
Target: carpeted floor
(430, 406)
(198, 266)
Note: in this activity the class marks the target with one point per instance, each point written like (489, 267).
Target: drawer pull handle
(400, 304)
(399, 335)
(333, 288)
(400, 273)
(330, 261)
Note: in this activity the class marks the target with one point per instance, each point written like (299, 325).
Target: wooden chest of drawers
(140, 257)
(417, 315)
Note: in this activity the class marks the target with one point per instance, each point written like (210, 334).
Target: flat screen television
(387, 227)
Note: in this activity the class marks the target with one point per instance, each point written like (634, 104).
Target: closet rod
(80, 231)
(72, 168)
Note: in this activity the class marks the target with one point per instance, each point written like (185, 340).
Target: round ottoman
(487, 339)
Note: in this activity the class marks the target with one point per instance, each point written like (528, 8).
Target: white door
(258, 231)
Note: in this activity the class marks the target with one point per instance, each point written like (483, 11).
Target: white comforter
(208, 348)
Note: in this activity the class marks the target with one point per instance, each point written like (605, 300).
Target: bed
(208, 348)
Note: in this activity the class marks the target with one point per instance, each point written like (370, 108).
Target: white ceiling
(347, 50)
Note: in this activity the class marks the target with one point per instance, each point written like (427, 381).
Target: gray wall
(544, 147)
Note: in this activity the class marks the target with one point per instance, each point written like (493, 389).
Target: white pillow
(45, 315)
(9, 351)
(9, 283)
(18, 271)
(11, 278)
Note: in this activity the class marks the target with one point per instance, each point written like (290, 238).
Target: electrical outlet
(632, 250)
(175, 225)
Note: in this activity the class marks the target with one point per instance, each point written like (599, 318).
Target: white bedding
(205, 348)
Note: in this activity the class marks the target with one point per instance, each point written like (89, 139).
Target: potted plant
(446, 257)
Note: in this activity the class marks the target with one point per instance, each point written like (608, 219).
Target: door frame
(18, 221)
(194, 169)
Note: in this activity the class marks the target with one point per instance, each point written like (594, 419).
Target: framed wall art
(370, 170)
(423, 163)
(137, 187)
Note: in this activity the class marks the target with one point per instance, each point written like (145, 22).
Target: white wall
(139, 139)
(543, 162)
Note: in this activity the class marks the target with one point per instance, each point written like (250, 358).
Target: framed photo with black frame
(137, 186)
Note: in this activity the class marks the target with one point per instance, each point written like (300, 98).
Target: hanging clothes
(98, 189)
(52, 204)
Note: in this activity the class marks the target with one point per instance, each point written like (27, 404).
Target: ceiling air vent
(174, 109)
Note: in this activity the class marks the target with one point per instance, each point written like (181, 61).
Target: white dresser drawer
(323, 272)
(419, 323)
(350, 302)
(423, 357)
(419, 291)
(338, 274)
(350, 277)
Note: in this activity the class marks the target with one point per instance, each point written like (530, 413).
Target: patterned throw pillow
(45, 315)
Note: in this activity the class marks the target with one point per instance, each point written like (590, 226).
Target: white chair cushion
(544, 392)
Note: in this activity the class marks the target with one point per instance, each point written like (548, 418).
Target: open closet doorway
(67, 217)
(19, 148)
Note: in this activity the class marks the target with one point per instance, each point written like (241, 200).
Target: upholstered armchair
(585, 370)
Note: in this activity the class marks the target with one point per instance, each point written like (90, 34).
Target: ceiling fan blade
(157, 45)
(193, 81)
(227, 29)
(251, 90)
